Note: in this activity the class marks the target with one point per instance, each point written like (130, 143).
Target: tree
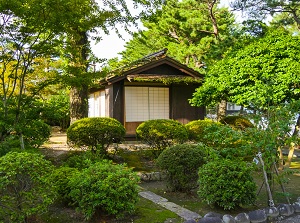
(265, 72)
(261, 9)
(193, 31)
(25, 48)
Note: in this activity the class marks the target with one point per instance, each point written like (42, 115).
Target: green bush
(25, 189)
(35, 133)
(161, 133)
(82, 160)
(95, 133)
(237, 122)
(60, 179)
(197, 129)
(104, 186)
(181, 163)
(56, 110)
(226, 183)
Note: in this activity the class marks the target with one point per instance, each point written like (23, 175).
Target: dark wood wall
(116, 103)
(180, 108)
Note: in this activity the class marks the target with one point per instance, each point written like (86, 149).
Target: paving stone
(152, 196)
(257, 216)
(242, 218)
(210, 220)
(285, 209)
(180, 211)
(228, 219)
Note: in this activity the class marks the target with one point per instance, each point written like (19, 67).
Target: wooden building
(156, 87)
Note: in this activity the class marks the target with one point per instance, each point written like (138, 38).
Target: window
(145, 103)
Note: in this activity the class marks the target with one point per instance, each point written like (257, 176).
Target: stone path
(180, 211)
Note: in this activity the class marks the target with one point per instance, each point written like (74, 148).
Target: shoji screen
(145, 103)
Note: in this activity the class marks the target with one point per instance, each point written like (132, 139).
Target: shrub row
(29, 184)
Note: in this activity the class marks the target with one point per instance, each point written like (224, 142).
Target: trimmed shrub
(82, 160)
(95, 133)
(161, 133)
(181, 163)
(104, 186)
(237, 122)
(197, 129)
(25, 189)
(226, 183)
(60, 178)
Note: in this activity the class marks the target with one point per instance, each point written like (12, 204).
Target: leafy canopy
(265, 72)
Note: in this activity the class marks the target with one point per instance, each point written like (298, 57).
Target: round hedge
(104, 186)
(161, 133)
(237, 122)
(181, 163)
(198, 129)
(95, 133)
(226, 183)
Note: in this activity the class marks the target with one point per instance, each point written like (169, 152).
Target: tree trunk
(78, 103)
(281, 160)
(221, 113)
(290, 156)
(79, 91)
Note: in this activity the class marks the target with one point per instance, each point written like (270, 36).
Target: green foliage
(262, 73)
(35, 133)
(95, 133)
(60, 179)
(237, 122)
(83, 160)
(104, 186)
(181, 163)
(186, 29)
(197, 129)
(258, 10)
(272, 132)
(226, 183)
(25, 189)
(29, 127)
(161, 133)
(56, 111)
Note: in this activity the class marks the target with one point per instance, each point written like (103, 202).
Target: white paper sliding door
(97, 104)
(145, 103)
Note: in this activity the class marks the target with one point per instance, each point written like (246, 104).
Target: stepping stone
(180, 211)
(152, 197)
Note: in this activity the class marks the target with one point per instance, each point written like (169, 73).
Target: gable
(163, 67)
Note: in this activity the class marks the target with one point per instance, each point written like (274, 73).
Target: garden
(204, 166)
